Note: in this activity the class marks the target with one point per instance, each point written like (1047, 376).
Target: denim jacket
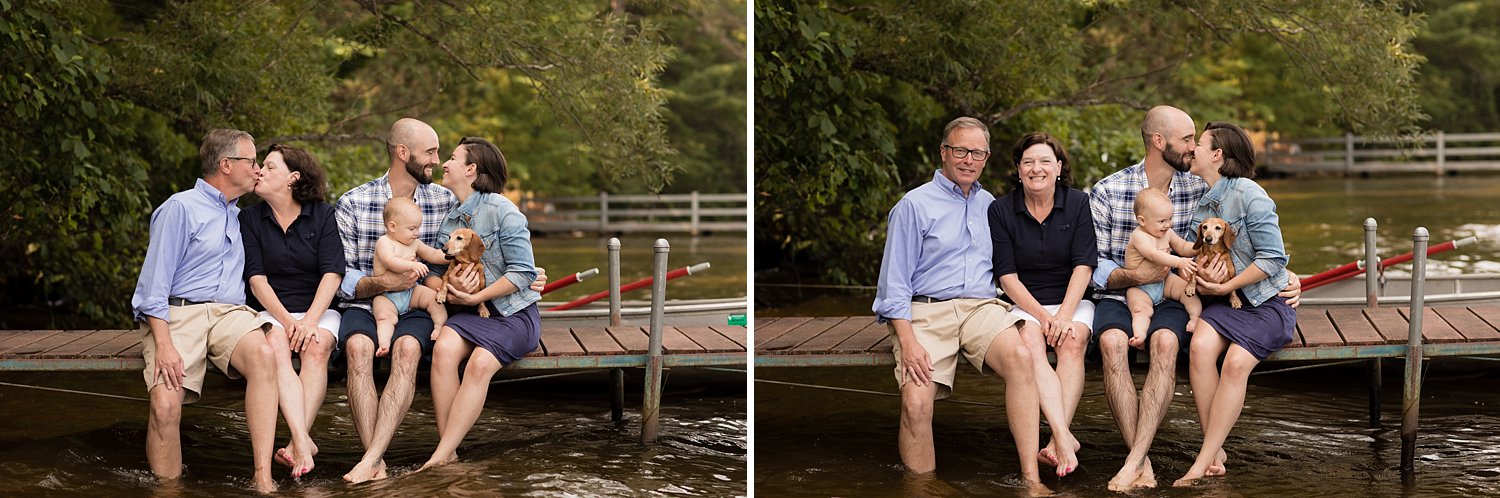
(507, 246)
(1252, 215)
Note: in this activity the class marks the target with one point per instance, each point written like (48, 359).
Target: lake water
(725, 253)
(1302, 433)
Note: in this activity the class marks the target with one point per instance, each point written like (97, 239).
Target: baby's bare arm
(1180, 245)
(428, 253)
(1153, 253)
(395, 257)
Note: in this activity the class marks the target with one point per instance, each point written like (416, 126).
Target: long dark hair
(312, 186)
(489, 163)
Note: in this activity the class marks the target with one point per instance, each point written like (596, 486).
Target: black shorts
(415, 323)
(1112, 314)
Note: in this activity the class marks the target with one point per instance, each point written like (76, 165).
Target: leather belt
(177, 301)
(927, 299)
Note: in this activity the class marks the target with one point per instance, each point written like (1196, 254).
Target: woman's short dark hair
(1064, 174)
(1239, 153)
(312, 186)
(489, 163)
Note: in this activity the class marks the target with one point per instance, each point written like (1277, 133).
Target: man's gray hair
(218, 144)
(966, 122)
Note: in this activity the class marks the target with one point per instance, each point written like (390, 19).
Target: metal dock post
(616, 375)
(1372, 300)
(1411, 395)
(651, 404)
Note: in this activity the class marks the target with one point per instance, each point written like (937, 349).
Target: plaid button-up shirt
(361, 224)
(1112, 201)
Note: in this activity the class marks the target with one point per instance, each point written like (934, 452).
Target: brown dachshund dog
(464, 249)
(1214, 240)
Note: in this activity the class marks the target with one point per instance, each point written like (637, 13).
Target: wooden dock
(1322, 334)
(561, 348)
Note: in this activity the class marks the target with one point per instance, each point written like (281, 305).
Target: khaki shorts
(947, 328)
(202, 333)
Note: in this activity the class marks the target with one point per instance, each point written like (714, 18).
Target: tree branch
(370, 6)
(1074, 102)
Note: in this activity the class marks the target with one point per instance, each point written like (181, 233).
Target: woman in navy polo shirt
(476, 174)
(1045, 252)
(294, 261)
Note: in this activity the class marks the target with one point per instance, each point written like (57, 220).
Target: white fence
(693, 213)
(1437, 153)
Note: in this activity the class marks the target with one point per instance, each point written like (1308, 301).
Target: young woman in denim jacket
(476, 174)
(1225, 159)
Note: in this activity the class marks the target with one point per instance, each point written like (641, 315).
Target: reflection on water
(535, 438)
(1301, 434)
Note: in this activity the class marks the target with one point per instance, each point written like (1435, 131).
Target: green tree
(1461, 80)
(106, 102)
(851, 95)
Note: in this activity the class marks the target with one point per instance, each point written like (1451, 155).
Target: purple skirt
(507, 337)
(1261, 330)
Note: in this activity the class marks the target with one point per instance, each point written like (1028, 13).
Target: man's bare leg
(1049, 393)
(1119, 390)
(1009, 357)
(253, 358)
(1227, 404)
(1156, 398)
(359, 352)
(399, 390)
(163, 432)
(914, 439)
(1070, 376)
(1203, 369)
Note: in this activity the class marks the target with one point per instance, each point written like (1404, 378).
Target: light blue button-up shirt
(938, 245)
(195, 253)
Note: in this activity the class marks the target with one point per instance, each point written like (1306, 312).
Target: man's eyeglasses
(251, 159)
(960, 152)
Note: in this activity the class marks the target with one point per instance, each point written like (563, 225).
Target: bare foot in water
(1217, 469)
(265, 485)
(438, 462)
(364, 471)
(1148, 476)
(303, 461)
(1046, 456)
(1125, 479)
(1039, 489)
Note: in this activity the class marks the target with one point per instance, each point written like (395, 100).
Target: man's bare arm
(369, 287)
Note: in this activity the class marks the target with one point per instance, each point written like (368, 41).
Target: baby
(1151, 244)
(397, 251)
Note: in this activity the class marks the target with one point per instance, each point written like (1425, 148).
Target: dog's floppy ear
(1198, 242)
(1228, 236)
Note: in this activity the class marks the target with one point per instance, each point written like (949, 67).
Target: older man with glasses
(937, 296)
(191, 295)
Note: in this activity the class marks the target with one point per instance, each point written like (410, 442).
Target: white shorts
(330, 321)
(1083, 314)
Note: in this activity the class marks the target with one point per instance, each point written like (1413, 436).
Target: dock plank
(772, 328)
(117, 345)
(710, 339)
(89, 340)
(634, 339)
(1318, 330)
(24, 338)
(1389, 322)
(871, 334)
(1467, 323)
(597, 342)
(1489, 313)
(1434, 328)
(559, 342)
(47, 343)
(733, 333)
(674, 341)
(802, 333)
(1355, 327)
(825, 341)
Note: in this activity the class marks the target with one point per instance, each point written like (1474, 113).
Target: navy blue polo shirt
(1043, 253)
(293, 260)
